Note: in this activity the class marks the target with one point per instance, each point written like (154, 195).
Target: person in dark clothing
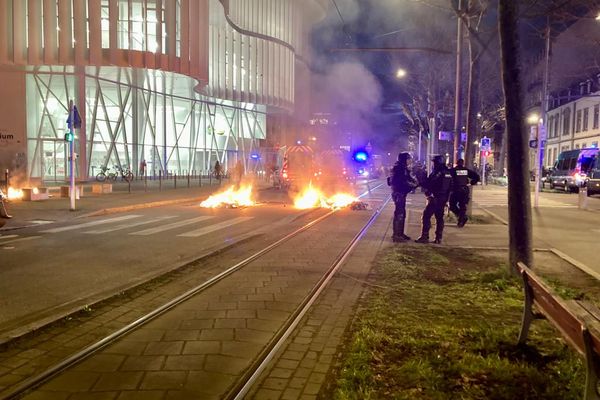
(402, 182)
(3, 210)
(459, 198)
(437, 189)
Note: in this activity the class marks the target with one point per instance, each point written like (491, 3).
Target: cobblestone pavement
(198, 349)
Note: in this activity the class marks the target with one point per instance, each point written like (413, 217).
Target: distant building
(177, 83)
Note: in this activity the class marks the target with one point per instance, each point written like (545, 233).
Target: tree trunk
(473, 100)
(519, 202)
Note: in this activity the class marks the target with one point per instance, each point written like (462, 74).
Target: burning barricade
(230, 198)
(312, 197)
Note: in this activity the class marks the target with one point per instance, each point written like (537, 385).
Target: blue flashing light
(361, 156)
(254, 156)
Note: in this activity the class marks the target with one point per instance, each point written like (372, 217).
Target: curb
(495, 216)
(114, 210)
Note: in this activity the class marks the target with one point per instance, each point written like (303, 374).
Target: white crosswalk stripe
(167, 227)
(215, 227)
(4, 237)
(125, 226)
(88, 224)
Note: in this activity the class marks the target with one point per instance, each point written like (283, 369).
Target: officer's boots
(399, 235)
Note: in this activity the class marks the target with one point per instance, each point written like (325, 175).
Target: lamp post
(401, 73)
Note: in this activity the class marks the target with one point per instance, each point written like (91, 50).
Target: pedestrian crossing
(137, 225)
(493, 198)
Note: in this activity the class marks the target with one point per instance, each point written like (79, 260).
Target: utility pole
(541, 136)
(458, 89)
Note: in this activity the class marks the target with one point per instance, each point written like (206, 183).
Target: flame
(312, 198)
(309, 198)
(14, 194)
(232, 197)
(340, 200)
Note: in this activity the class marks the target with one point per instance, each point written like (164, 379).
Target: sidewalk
(56, 209)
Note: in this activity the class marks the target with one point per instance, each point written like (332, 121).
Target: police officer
(459, 198)
(437, 189)
(402, 182)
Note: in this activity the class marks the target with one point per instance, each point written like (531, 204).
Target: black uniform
(459, 198)
(402, 183)
(437, 189)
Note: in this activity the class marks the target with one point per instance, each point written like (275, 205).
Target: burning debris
(313, 198)
(14, 194)
(230, 198)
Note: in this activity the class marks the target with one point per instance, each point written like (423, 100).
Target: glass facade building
(178, 84)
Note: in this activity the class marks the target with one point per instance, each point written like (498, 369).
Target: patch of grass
(443, 324)
(565, 292)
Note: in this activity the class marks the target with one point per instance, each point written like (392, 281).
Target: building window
(549, 124)
(584, 145)
(596, 116)
(566, 121)
(556, 124)
(586, 118)
(578, 121)
(577, 146)
(595, 144)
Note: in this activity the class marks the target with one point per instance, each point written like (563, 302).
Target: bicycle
(106, 173)
(126, 173)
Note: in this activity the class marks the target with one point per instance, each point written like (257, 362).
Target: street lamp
(400, 73)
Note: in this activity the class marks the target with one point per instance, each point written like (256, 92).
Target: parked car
(593, 181)
(571, 169)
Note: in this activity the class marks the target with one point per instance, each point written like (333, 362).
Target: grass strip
(443, 324)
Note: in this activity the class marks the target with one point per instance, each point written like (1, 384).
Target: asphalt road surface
(59, 267)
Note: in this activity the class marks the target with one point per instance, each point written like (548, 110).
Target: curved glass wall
(133, 115)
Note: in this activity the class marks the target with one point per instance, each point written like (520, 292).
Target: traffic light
(486, 153)
(360, 156)
(69, 137)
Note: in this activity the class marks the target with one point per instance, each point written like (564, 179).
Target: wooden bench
(572, 318)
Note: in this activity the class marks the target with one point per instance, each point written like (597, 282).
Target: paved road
(56, 268)
(557, 223)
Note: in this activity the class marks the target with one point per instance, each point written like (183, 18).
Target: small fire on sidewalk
(14, 194)
(230, 198)
(312, 198)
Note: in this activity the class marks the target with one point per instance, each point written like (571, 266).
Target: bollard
(188, 179)
(583, 198)
(160, 180)
(209, 177)
(145, 181)
(199, 178)
(6, 180)
(129, 186)
(175, 178)
(470, 203)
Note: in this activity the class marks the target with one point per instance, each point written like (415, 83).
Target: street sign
(76, 118)
(485, 144)
(446, 136)
(542, 132)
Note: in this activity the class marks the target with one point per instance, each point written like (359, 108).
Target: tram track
(258, 364)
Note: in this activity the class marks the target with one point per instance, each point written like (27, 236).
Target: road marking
(8, 237)
(93, 223)
(215, 227)
(174, 225)
(25, 239)
(125, 226)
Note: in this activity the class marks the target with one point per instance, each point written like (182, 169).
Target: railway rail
(252, 370)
